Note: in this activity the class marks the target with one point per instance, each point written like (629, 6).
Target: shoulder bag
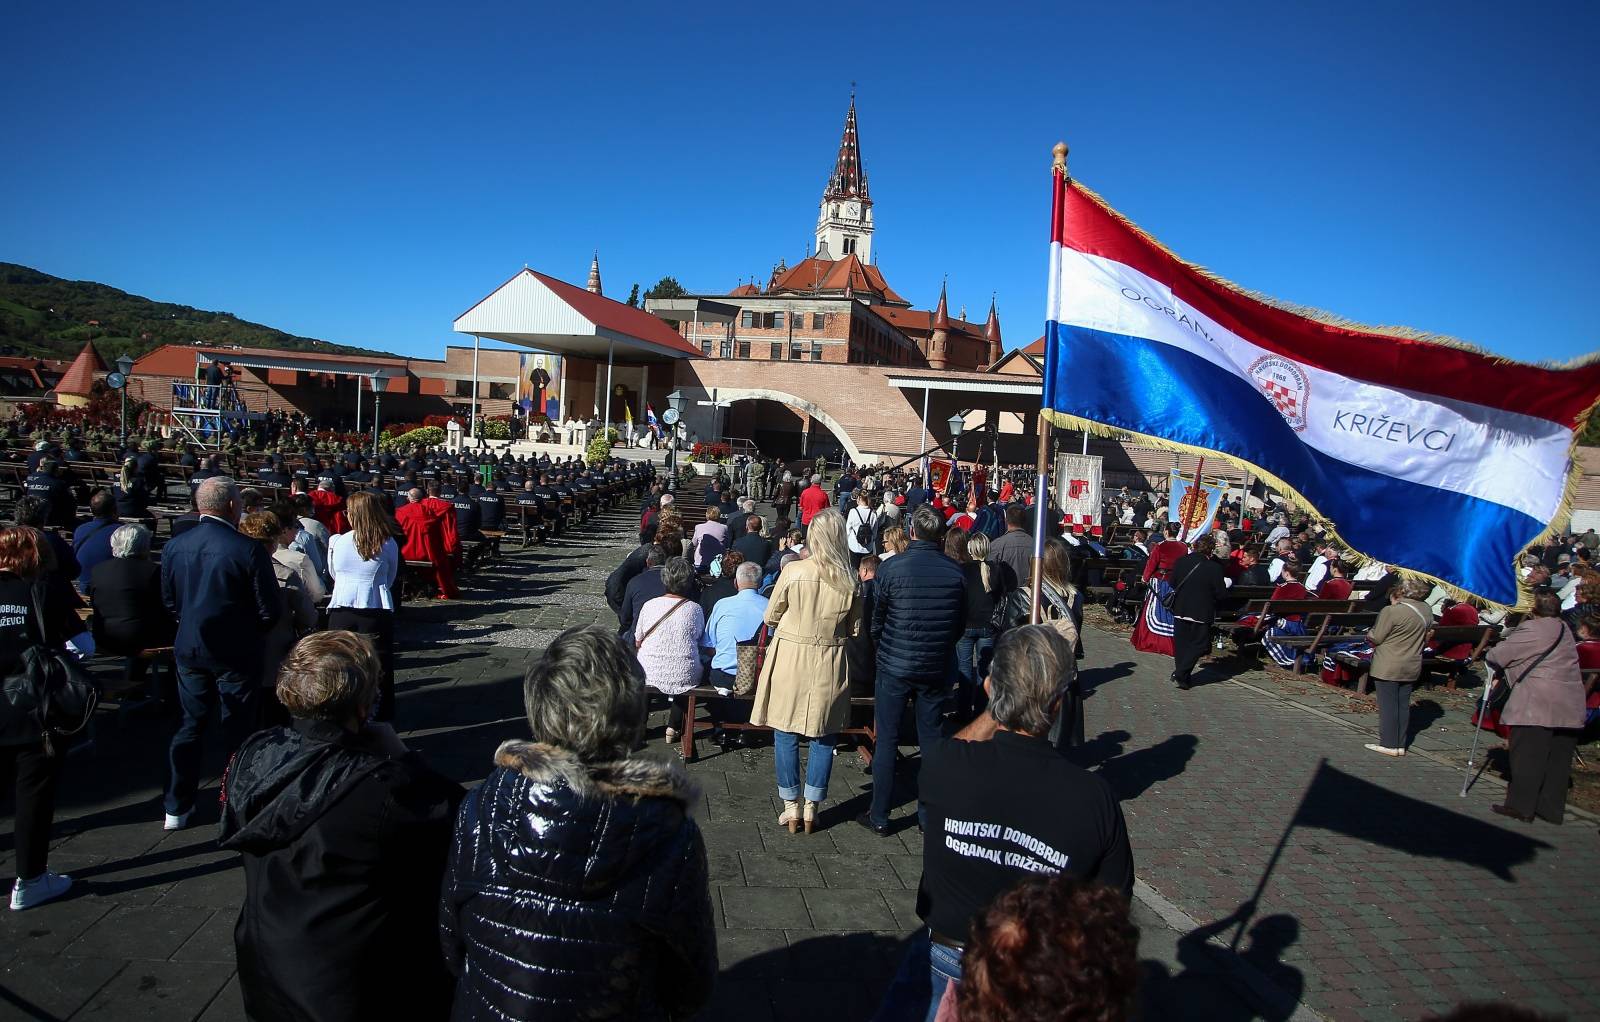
(752, 654)
(46, 695)
(1172, 593)
(638, 643)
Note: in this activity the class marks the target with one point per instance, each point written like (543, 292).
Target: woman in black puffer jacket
(577, 884)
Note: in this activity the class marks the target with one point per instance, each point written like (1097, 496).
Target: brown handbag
(752, 654)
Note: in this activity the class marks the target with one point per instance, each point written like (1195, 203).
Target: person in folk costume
(429, 525)
(1152, 633)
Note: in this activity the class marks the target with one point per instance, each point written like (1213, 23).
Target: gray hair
(586, 695)
(215, 495)
(676, 576)
(130, 541)
(816, 478)
(1030, 663)
(666, 499)
(925, 523)
(747, 575)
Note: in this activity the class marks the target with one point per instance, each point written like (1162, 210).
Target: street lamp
(676, 402)
(119, 381)
(379, 385)
(957, 423)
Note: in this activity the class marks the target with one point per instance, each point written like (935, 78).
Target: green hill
(47, 317)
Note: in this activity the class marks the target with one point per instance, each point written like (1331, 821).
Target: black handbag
(1011, 610)
(46, 695)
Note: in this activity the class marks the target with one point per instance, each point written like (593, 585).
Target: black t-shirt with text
(1004, 810)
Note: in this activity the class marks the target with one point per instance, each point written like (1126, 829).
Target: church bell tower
(844, 223)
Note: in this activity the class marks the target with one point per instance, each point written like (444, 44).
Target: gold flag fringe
(1574, 470)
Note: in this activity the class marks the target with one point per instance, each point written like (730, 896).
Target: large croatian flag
(1427, 456)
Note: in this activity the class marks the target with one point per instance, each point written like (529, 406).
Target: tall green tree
(666, 287)
(633, 296)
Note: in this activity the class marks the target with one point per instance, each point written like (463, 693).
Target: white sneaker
(1387, 752)
(42, 888)
(672, 736)
(176, 822)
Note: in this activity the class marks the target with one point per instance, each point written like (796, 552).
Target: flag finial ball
(1060, 161)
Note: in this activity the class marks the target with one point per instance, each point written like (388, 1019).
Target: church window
(849, 245)
(817, 321)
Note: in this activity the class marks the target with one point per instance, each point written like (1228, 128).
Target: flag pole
(1041, 486)
(1186, 509)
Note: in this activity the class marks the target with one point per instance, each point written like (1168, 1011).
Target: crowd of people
(519, 898)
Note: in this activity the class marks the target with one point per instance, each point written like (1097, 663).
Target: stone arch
(732, 394)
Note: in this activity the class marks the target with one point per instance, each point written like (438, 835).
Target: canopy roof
(538, 311)
(347, 365)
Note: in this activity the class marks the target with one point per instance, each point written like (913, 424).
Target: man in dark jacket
(757, 549)
(918, 614)
(220, 586)
(344, 834)
(1198, 583)
(1015, 547)
(624, 573)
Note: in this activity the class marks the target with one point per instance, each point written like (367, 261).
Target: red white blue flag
(1425, 455)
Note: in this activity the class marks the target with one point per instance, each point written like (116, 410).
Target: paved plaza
(1366, 887)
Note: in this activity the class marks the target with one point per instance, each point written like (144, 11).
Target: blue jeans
(819, 765)
(973, 651)
(891, 695)
(200, 691)
(919, 984)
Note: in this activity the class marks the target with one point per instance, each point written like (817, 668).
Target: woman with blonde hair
(132, 493)
(804, 686)
(364, 563)
(894, 542)
(987, 584)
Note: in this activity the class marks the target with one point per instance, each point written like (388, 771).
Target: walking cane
(1483, 709)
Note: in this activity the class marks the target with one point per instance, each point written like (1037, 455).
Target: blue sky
(365, 173)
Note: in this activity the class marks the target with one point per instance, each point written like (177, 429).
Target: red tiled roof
(79, 377)
(1035, 349)
(812, 275)
(177, 360)
(920, 321)
(618, 316)
(744, 289)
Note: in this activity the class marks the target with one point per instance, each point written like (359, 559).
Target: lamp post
(957, 423)
(676, 402)
(125, 370)
(379, 384)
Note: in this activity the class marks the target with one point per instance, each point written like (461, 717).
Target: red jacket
(813, 499)
(328, 508)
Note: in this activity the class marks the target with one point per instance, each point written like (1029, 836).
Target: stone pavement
(1387, 897)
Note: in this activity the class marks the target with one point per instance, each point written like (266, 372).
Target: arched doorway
(785, 429)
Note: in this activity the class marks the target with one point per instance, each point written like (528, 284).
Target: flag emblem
(1285, 385)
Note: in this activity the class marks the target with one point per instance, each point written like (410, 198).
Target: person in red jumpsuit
(1152, 633)
(429, 525)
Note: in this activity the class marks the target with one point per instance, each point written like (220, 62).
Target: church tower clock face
(852, 210)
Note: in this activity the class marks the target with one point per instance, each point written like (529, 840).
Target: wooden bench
(868, 732)
(1324, 627)
(1481, 637)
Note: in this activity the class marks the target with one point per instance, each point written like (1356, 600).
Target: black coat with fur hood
(578, 890)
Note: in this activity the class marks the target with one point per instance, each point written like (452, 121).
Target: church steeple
(594, 275)
(849, 180)
(991, 333)
(844, 223)
(939, 343)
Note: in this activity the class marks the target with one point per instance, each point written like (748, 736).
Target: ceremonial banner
(538, 380)
(1194, 508)
(938, 475)
(1425, 455)
(1078, 492)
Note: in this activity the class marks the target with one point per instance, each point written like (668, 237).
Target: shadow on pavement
(840, 976)
(1192, 993)
(1132, 774)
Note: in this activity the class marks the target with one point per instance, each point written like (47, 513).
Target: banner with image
(1078, 490)
(538, 384)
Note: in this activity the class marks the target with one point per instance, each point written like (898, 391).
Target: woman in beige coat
(1397, 638)
(804, 686)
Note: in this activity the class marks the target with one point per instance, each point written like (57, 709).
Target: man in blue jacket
(220, 586)
(918, 614)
